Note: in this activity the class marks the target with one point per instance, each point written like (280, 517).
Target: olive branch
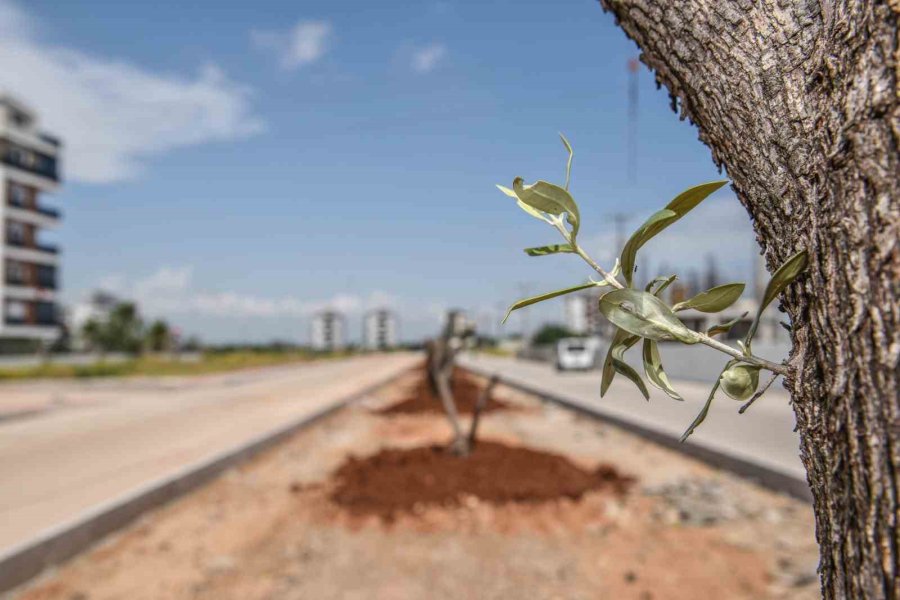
(642, 314)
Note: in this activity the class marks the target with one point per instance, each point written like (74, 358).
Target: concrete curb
(54, 546)
(766, 476)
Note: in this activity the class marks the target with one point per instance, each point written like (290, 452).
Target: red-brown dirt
(395, 480)
(466, 390)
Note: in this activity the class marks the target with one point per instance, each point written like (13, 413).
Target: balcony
(41, 283)
(37, 163)
(34, 214)
(31, 313)
(40, 247)
(52, 140)
(54, 213)
(46, 284)
(44, 320)
(35, 247)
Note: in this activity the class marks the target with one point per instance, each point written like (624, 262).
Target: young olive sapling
(643, 315)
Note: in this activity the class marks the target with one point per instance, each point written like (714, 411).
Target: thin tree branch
(758, 394)
(479, 406)
(449, 404)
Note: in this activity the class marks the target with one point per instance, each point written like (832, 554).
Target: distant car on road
(576, 354)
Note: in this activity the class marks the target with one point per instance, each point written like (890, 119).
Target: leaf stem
(777, 368)
(585, 256)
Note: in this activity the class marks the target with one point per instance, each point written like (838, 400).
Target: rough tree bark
(798, 100)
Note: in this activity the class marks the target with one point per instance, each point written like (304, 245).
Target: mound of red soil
(396, 480)
(466, 390)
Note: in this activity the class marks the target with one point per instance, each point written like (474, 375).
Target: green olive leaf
(643, 314)
(547, 296)
(548, 198)
(656, 223)
(726, 326)
(786, 273)
(531, 211)
(551, 249)
(783, 277)
(705, 410)
(620, 338)
(625, 369)
(654, 370)
(663, 282)
(691, 197)
(713, 299)
(674, 210)
(571, 155)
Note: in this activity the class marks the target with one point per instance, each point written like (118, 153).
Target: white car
(576, 354)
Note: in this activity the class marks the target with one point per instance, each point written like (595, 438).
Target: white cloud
(305, 44)
(113, 115)
(427, 58)
(171, 291)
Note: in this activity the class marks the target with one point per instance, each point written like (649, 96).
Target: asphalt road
(764, 434)
(69, 446)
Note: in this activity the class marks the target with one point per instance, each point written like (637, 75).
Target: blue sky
(236, 166)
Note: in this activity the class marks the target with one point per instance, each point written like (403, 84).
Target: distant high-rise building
(582, 314)
(379, 330)
(576, 311)
(327, 331)
(29, 168)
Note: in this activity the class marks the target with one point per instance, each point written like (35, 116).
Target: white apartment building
(327, 332)
(379, 330)
(29, 169)
(581, 312)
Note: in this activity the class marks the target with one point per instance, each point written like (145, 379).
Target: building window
(46, 313)
(16, 272)
(15, 233)
(18, 194)
(16, 311)
(17, 155)
(46, 276)
(19, 119)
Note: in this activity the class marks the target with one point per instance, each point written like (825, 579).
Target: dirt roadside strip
(720, 455)
(52, 547)
(367, 504)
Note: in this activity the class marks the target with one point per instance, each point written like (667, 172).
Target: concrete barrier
(764, 475)
(23, 562)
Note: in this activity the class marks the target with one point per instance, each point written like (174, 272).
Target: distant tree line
(123, 330)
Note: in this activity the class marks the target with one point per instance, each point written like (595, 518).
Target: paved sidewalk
(763, 435)
(94, 441)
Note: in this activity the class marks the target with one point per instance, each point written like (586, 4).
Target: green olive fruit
(740, 381)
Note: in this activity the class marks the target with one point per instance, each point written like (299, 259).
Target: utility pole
(633, 66)
(619, 219)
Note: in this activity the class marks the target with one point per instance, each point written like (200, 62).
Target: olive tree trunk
(798, 100)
